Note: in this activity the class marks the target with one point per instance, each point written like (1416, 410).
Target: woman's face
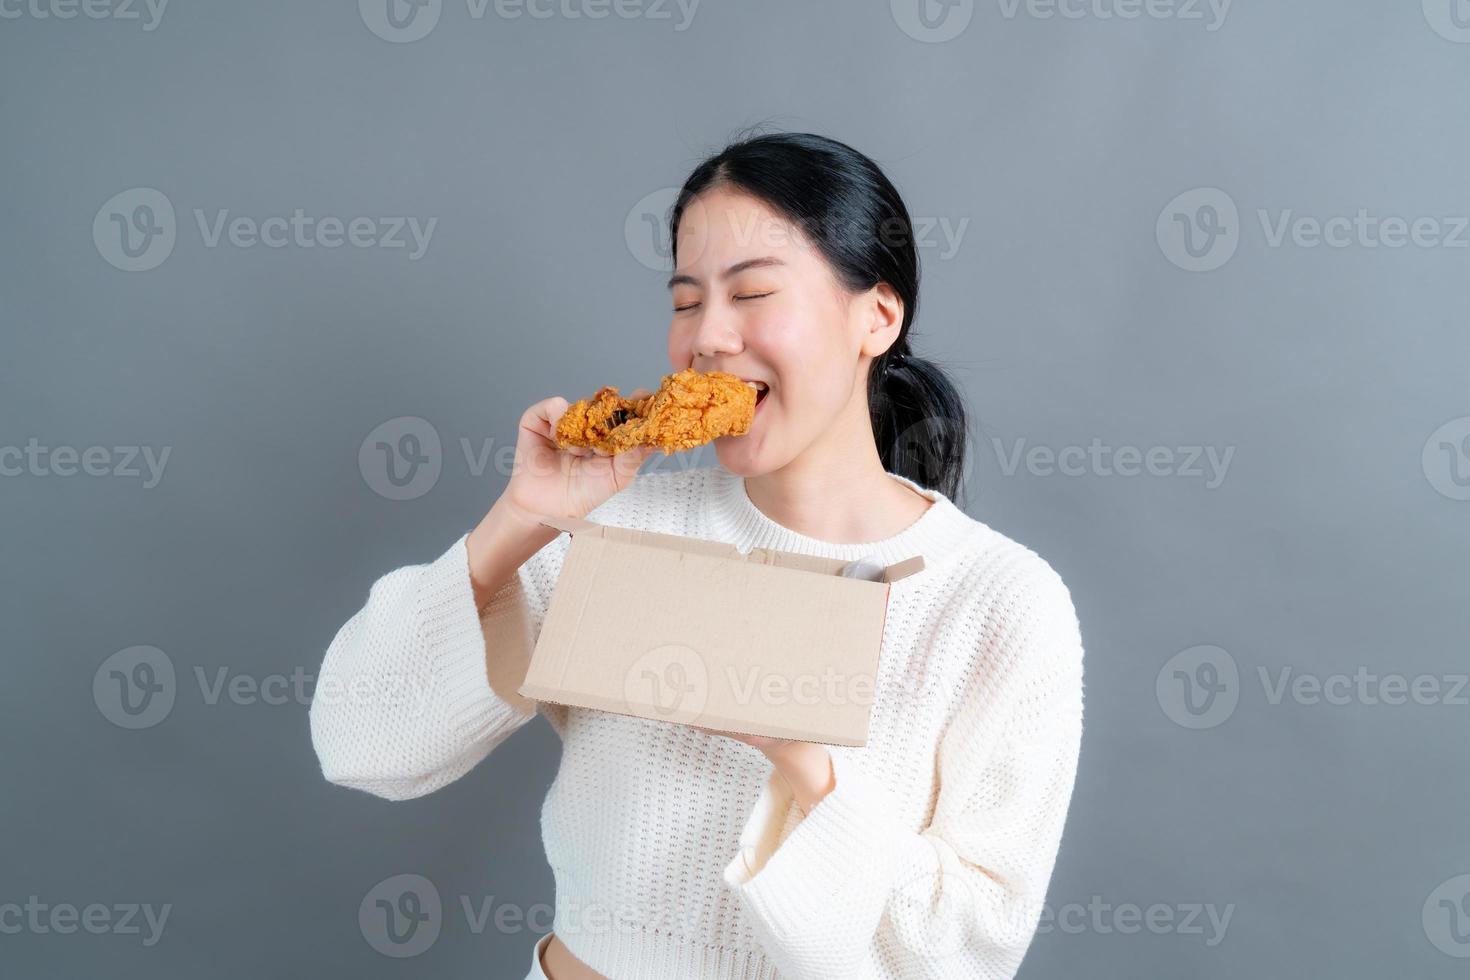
(753, 296)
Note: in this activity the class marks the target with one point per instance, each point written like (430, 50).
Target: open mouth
(761, 390)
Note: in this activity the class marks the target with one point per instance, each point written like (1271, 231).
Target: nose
(716, 335)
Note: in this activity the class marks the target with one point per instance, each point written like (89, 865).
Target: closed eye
(690, 306)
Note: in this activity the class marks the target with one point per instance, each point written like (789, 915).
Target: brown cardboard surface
(686, 630)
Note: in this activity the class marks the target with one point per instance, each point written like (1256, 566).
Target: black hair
(842, 201)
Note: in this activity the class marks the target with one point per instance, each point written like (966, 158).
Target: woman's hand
(548, 481)
(806, 766)
(545, 481)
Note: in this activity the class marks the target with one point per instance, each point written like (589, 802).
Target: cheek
(787, 334)
(801, 348)
(681, 347)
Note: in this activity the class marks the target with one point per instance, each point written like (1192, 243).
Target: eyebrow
(687, 280)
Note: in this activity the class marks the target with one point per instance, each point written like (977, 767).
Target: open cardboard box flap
(682, 629)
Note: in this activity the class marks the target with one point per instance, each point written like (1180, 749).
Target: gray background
(1337, 539)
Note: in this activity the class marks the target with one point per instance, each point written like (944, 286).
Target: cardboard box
(686, 630)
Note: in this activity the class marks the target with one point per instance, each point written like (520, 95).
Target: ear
(882, 317)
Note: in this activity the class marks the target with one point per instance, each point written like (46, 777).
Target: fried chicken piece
(689, 409)
(590, 422)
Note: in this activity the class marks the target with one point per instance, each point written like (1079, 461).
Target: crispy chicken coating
(689, 409)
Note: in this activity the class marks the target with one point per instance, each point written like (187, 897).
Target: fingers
(544, 415)
(550, 408)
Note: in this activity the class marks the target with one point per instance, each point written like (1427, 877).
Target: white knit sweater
(679, 855)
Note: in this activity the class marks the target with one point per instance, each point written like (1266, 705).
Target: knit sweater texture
(681, 855)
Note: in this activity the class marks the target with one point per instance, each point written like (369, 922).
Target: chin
(738, 457)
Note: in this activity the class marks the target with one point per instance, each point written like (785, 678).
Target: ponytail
(919, 420)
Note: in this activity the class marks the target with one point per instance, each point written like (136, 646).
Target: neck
(837, 489)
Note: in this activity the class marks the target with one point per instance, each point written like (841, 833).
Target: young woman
(681, 853)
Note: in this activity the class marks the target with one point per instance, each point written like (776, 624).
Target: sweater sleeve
(963, 896)
(404, 703)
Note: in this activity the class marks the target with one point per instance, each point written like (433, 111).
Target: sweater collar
(941, 529)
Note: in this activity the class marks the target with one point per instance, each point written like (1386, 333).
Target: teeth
(757, 385)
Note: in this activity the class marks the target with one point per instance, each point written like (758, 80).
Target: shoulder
(1018, 603)
(997, 568)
